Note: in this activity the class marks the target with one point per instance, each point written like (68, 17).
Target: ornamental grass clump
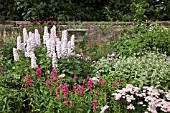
(152, 99)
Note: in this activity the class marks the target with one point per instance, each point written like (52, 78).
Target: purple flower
(49, 23)
(113, 54)
(88, 58)
(42, 22)
(71, 104)
(56, 19)
(50, 18)
(119, 82)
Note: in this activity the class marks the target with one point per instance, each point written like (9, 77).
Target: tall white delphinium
(48, 45)
(53, 32)
(33, 40)
(69, 48)
(54, 60)
(72, 43)
(37, 38)
(64, 43)
(18, 43)
(29, 48)
(15, 54)
(22, 45)
(46, 35)
(58, 48)
(53, 44)
(25, 35)
(33, 60)
(53, 39)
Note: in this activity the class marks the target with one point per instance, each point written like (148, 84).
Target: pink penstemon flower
(57, 91)
(84, 81)
(58, 96)
(54, 76)
(119, 82)
(94, 102)
(90, 84)
(65, 90)
(100, 79)
(49, 83)
(65, 103)
(75, 78)
(71, 104)
(81, 90)
(103, 83)
(97, 93)
(38, 73)
(78, 89)
(113, 84)
(28, 82)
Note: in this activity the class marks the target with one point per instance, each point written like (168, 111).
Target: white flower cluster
(56, 48)
(150, 97)
(30, 42)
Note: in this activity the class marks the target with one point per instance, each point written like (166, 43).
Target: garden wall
(97, 32)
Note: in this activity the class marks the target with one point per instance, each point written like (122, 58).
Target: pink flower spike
(97, 93)
(113, 84)
(58, 96)
(90, 84)
(94, 107)
(103, 83)
(71, 104)
(38, 73)
(84, 81)
(94, 102)
(28, 82)
(119, 82)
(65, 103)
(100, 79)
(57, 91)
(75, 78)
(48, 83)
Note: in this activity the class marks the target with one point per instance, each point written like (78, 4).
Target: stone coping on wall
(162, 23)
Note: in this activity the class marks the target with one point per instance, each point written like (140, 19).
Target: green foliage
(8, 10)
(87, 10)
(134, 41)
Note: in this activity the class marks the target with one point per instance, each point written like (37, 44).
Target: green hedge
(85, 10)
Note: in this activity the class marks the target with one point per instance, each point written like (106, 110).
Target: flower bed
(47, 73)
